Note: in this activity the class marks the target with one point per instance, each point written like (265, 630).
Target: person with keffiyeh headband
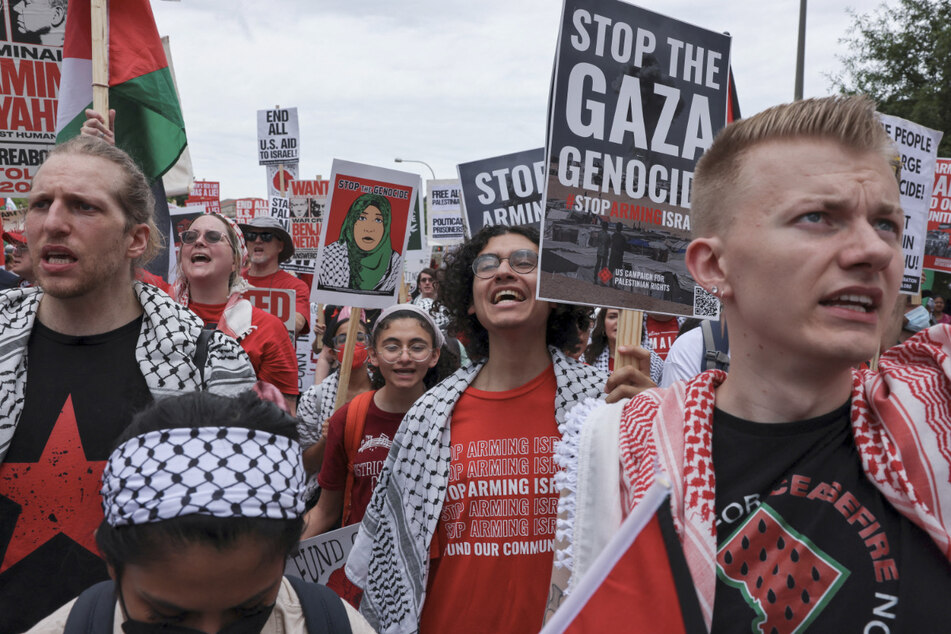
(202, 501)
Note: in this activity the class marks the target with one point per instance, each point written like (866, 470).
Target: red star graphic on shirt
(59, 493)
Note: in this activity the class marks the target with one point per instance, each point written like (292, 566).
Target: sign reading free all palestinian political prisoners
(636, 99)
(503, 190)
(363, 238)
(938, 238)
(278, 136)
(918, 146)
(445, 226)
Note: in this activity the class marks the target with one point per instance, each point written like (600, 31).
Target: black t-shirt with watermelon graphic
(807, 543)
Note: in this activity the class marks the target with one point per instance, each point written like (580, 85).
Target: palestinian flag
(639, 583)
(149, 124)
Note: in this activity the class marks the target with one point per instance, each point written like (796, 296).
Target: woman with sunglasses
(209, 283)
(202, 502)
(363, 258)
(406, 360)
(318, 402)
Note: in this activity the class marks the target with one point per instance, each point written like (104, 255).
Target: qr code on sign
(705, 304)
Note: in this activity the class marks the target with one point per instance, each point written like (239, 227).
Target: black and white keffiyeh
(390, 558)
(217, 471)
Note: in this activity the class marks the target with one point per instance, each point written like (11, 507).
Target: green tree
(900, 56)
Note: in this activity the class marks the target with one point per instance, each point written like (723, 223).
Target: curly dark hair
(599, 338)
(455, 294)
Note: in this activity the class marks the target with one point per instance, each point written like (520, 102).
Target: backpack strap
(352, 435)
(716, 345)
(94, 610)
(201, 353)
(323, 609)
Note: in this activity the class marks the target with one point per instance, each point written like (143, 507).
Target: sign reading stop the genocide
(278, 136)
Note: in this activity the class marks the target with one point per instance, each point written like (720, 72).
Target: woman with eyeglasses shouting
(404, 352)
(209, 283)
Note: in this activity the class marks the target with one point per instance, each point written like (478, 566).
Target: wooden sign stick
(100, 57)
(629, 327)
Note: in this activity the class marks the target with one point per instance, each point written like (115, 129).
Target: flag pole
(99, 10)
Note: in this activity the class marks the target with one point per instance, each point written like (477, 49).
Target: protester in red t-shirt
(405, 355)
(209, 283)
(662, 331)
(269, 246)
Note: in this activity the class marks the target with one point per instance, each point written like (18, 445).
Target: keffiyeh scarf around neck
(390, 558)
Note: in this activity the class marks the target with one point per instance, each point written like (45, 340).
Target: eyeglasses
(211, 236)
(522, 261)
(251, 236)
(341, 340)
(391, 352)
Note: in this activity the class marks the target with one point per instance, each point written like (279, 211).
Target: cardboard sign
(363, 238)
(636, 99)
(417, 250)
(919, 150)
(445, 226)
(318, 558)
(277, 301)
(278, 137)
(30, 63)
(503, 190)
(938, 238)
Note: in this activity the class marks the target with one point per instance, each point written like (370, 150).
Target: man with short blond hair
(805, 493)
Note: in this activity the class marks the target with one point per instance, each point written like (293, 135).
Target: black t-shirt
(806, 541)
(81, 393)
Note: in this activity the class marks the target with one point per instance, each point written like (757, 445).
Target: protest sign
(938, 238)
(31, 56)
(205, 194)
(277, 301)
(636, 99)
(445, 213)
(247, 208)
(918, 146)
(503, 190)
(306, 200)
(274, 175)
(417, 249)
(278, 137)
(321, 559)
(363, 237)
(280, 209)
(182, 218)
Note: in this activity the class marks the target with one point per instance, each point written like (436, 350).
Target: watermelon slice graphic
(783, 576)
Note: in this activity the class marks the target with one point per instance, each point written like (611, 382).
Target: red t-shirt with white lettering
(378, 432)
(492, 555)
(283, 279)
(662, 335)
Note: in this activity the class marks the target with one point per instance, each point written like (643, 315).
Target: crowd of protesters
(157, 460)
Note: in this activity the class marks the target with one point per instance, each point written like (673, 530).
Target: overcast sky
(442, 81)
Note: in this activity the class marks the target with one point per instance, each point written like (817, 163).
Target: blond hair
(133, 193)
(849, 121)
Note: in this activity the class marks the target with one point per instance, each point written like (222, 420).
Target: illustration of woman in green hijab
(362, 259)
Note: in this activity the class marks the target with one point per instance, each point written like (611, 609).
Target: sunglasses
(211, 236)
(251, 236)
(522, 261)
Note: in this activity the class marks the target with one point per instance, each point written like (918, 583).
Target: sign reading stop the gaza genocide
(278, 136)
(503, 190)
(636, 99)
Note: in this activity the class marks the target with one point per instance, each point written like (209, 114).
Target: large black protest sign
(636, 99)
(503, 190)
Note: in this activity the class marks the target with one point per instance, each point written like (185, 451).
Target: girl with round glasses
(209, 283)
(405, 353)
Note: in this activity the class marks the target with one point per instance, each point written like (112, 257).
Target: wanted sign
(503, 190)
(636, 99)
(445, 212)
(278, 136)
(918, 146)
(938, 238)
